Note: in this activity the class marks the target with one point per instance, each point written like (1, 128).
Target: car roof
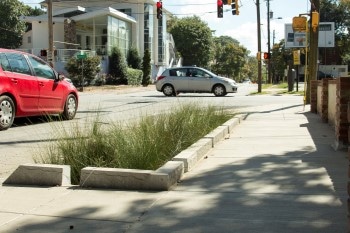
(185, 67)
(12, 51)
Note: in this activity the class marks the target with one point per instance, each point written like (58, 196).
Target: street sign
(298, 39)
(81, 56)
(296, 57)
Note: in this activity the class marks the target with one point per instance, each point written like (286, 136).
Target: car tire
(7, 112)
(168, 90)
(70, 107)
(219, 90)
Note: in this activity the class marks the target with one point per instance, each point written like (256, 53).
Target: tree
(83, 71)
(11, 26)
(33, 11)
(146, 68)
(338, 11)
(229, 57)
(193, 40)
(280, 58)
(117, 67)
(133, 58)
(250, 69)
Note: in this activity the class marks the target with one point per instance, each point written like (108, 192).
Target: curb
(162, 179)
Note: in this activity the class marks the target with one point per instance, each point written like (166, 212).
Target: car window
(18, 63)
(41, 69)
(5, 65)
(178, 72)
(198, 73)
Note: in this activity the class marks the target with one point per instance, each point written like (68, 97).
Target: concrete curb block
(41, 175)
(163, 178)
(132, 179)
(194, 153)
(217, 134)
(233, 123)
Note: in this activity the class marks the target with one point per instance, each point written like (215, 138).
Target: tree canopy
(11, 26)
(229, 57)
(338, 11)
(193, 40)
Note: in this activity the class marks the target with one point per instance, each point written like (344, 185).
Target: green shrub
(146, 68)
(83, 71)
(146, 144)
(117, 67)
(134, 77)
(133, 58)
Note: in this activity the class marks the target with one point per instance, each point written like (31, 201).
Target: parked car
(30, 87)
(189, 79)
(320, 75)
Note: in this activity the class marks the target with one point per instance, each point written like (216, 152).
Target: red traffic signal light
(220, 9)
(266, 55)
(159, 9)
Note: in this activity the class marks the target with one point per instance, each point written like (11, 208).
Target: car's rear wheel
(219, 90)
(70, 107)
(7, 112)
(168, 90)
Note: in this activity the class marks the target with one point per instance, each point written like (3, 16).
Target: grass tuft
(147, 144)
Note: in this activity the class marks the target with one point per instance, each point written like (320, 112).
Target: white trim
(109, 10)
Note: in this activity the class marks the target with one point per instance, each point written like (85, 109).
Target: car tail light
(160, 77)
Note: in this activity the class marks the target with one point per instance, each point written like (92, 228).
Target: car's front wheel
(219, 90)
(168, 90)
(7, 112)
(70, 107)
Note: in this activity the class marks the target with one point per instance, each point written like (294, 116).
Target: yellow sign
(299, 24)
(296, 57)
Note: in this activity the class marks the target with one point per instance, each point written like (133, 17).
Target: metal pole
(50, 28)
(259, 43)
(268, 42)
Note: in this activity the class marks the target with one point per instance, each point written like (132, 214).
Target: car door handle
(15, 81)
(41, 84)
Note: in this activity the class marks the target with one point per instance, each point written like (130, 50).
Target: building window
(78, 40)
(87, 42)
(29, 39)
(119, 34)
(161, 39)
(148, 28)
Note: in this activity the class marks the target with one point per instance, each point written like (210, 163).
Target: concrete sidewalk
(276, 173)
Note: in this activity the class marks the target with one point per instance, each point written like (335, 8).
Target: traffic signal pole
(259, 43)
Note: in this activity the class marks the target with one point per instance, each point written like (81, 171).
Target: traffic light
(315, 18)
(43, 53)
(220, 9)
(159, 9)
(234, 7)
(266, 56)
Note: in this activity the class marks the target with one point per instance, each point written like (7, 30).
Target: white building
(97, 26)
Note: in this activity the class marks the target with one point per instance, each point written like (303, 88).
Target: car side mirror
(60, 77)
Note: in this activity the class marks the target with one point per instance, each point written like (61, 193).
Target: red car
(30, 87)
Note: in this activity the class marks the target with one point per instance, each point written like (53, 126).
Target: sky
(242, 27)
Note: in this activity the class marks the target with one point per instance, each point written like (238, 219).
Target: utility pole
(259, 43)
(268, 43)
(50, 54)
(315, 6)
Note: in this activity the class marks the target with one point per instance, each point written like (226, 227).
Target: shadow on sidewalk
(298, 191)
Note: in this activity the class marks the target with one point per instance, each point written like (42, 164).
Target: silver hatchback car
(194, 80)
